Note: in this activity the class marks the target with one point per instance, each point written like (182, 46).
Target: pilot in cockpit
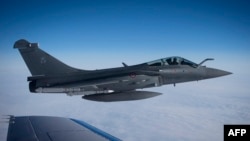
(175, 62)
(168, 61)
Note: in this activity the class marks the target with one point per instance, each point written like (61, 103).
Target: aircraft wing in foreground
(49, 75)
(46, 128)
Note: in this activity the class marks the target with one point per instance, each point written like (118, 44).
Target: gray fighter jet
(49, 75)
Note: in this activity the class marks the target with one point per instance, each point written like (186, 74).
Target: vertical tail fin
(40, 62)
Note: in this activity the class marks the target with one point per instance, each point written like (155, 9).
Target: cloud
(189, 111)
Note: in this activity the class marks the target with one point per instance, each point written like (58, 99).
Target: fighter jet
(49, 75)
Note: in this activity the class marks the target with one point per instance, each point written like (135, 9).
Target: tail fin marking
(40, 62)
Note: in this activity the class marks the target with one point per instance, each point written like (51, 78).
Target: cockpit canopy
(172, 61)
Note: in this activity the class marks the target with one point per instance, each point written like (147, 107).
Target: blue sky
(100, 34)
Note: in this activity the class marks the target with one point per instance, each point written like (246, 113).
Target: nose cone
(211, 73)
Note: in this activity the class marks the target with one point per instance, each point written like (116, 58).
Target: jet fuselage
(49, 75)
